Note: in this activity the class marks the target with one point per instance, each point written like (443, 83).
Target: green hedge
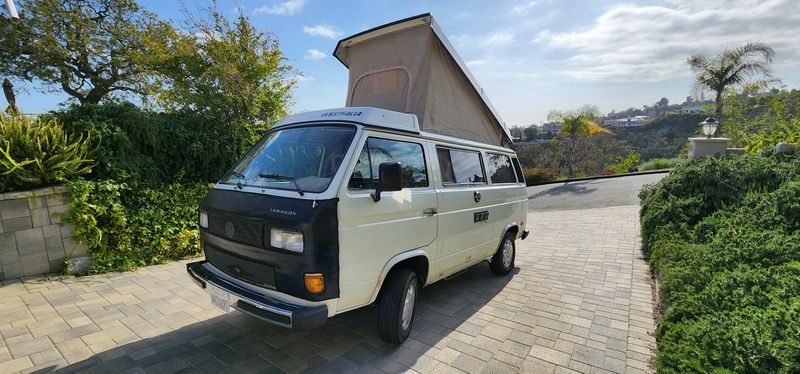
(128, 226)
(153, 147)
(723, 235)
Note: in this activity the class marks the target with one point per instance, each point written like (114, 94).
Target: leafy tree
(226, 71)
(732, 68)
(87, 48)
(760, 121)
(531, 132)
(663, 103)
(578, 124)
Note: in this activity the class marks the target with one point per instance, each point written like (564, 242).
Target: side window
(500, 169)
(518, 170)
(377, 151)
(460, 167)
(362, 174)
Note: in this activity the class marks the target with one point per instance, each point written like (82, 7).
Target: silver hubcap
(508, 253)
(408, 305)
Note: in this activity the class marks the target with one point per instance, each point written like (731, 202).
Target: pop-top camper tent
(409, 66)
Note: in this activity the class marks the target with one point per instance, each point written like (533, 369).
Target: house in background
(636, 121)
(692, 108)
(551, 128)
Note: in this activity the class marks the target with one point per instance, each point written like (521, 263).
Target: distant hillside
(664, 137)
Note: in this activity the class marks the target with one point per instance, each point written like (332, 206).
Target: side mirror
(388, 179)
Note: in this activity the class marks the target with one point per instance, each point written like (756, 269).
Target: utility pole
(12, 11)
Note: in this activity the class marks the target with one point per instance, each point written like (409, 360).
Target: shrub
(661, 163)
(128, 226)
(539, 174)
(624, 165)
(723, 236)
(36, 152)
(705, 185)
(158, 147)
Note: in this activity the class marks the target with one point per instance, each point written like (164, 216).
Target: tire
(391, 324)
(497, 264)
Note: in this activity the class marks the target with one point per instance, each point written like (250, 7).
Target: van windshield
(301, 158)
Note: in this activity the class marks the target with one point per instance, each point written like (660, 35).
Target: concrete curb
(603, 177)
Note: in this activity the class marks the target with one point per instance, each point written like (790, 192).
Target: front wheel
(396, 312)
(503, 260)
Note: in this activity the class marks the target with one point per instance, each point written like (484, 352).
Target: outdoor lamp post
(12, 11)
(709, 127)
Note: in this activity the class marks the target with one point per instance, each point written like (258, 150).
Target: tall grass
(661, 163)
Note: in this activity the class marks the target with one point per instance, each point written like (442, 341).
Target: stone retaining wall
(32, 241)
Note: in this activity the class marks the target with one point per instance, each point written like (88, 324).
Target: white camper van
(337, 209)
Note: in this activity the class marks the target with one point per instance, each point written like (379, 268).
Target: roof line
(376, 28)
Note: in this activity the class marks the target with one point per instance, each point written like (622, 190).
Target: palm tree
(575, 125)
(731, 68)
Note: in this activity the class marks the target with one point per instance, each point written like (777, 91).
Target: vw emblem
(229, 229)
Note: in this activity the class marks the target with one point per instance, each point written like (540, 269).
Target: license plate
(220, 299)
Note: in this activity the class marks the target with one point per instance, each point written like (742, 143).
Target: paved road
(579, 301)
(595, 193)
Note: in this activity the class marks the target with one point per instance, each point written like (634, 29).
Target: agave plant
(36, 152)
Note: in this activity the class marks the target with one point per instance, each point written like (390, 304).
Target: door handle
(476, 196)
(429, 212)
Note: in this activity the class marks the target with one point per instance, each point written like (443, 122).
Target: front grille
(245, 231)
(243, 269)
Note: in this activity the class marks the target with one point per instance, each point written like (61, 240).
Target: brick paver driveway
(579, 300)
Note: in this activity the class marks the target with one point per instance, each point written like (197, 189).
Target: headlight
(204, 220)
(288, 240)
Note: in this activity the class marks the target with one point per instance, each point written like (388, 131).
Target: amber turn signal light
(315, 283)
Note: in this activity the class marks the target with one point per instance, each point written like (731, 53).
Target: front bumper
(295, 317)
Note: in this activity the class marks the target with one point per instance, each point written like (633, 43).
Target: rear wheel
(396, 310)
(503, 260)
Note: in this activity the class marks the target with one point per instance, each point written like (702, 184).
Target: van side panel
(371, 233)
(506, 206)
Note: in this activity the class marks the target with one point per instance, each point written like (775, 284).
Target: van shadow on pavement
(572, 188)
(239, 343)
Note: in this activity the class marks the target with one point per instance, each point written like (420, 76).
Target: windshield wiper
(284, 178)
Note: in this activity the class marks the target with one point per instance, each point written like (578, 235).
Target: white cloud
(644, 43)
(473, 63)
(314, 54)
(322, 31)
(524, 8)
(285, 8)
(495, 39)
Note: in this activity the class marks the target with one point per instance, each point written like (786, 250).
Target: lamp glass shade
(709, 128)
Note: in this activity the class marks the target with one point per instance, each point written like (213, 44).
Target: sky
(530, 56)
